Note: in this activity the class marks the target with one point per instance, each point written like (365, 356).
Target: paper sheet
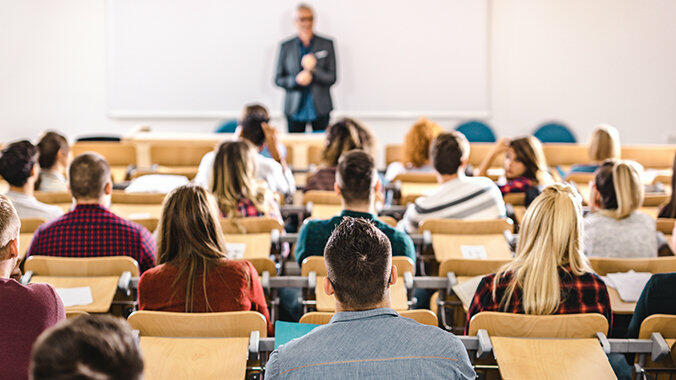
(236, 250)
(75, 296)
(466, 290)
(629, 285)
(473, 252)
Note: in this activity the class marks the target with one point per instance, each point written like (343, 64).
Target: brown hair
(17, 161)
(10, 224)
(604, 144)
(619, 184)
(417, 142)
(88, 175)
(449, 150)
(343, 135)
(356, 176)
(252, 123)
(49, 146)
(529, 152)
(668, 210)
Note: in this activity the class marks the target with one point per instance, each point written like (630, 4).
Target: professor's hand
(308, 62)
(304, 78)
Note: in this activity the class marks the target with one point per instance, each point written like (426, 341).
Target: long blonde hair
(550, 237)
(604, 144)
(190, 237)
(528, 150)
(619, 184)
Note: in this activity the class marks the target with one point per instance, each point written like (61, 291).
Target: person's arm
(410, 222)
(326, 75)
(147, 250)
(283, 78)
(257, 296)
(500, 147)
(272, 366)
(640, 311)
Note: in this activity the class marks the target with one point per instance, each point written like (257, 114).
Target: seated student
(25, 311)
(272, 168)
(238, 192)
(357, 183)
(343, 135)
(668, 209)
(604, 145)
(194, 273)
(525, 164)
(54, 158)
(550, 274)
(87, 347)
(658, 297)
(458, 196)
(615, 227)
(416, 150)
(366, 337)
(91, 229)
(19, 167)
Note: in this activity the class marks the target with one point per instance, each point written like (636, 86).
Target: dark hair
(668, 210)
(603, 179)
(88, 173)
(448, 151)
(528, 151)
(356, 175)
(87, 347)
(343, 135)
(49, 146)
(254, 116)
(17, 161)
(358, 261)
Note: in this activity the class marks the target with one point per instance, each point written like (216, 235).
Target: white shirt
(52, 182)
(28, 207)
(633, 236)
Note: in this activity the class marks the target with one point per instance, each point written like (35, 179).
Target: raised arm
(501, 147)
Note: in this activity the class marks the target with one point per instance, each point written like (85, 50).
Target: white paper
(473, 252)
(629, 285)
(235, 250)
(75, 296)
(466, 290)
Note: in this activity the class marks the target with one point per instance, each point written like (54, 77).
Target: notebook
(288, 331)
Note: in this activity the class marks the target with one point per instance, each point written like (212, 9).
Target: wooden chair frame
(539, 326)
(173, 324)
(426, 317)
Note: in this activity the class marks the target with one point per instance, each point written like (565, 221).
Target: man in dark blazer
(306, 69)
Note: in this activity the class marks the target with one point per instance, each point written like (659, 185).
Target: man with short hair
(90, 229)
(458, 196)
(25, 311)
(366, 338)
(87, 347)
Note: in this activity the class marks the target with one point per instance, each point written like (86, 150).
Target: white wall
(579, 61)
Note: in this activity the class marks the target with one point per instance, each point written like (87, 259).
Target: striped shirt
(460, 198)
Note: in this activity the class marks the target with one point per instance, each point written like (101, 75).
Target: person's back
(658, 297)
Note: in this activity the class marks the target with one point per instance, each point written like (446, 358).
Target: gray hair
(10, 224)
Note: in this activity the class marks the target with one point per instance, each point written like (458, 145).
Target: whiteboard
(207, 58)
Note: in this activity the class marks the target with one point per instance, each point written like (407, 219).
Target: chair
(119, 154)
(137, 206)
(393, 153)
(476, 131)
(583, 178)
(81, 266)
(254, 232)
(317, 264)
(183, 161)
(54, 198)
(425, 317)
(172, 324)
(28, 228)
(604, 265)
(452, 238)
(228, 126)
(539, 326)
(554, 132)
(666, 226)
(666, 326)
(314, 155)
(75, 313)
(325, 204)
(650, 156)
(137, 198)
(390, 221)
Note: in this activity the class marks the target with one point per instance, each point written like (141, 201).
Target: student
(365, 336)
(604, 145)
(19, 167)
(54, 158)
(357, 183)
(658, 297)
(91, 229)
(25, 311)
(550, 274)
(458, 196)
(525, 164)
(343, 135)
(615, 227)
(668, 209)
(87, 347)
(416, 150)
(238, 192)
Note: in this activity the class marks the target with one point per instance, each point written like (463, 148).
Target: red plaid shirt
(579, 294)
(516, 185)
(91, 231)
(246, 208)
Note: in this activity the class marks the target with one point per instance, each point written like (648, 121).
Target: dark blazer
(324, 76)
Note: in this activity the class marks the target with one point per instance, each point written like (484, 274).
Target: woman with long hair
(194, 273)
(668, 209)
(550, 273)
(604, 145)
(416, 149)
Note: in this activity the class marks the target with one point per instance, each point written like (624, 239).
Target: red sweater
(25, 312)
(232, 285)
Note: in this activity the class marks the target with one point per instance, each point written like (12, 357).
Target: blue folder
(287, 331)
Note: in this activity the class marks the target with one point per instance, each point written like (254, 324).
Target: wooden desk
(257, 245)
(328, 303)
(617, 305)
(522, 358)
(448, 246)
(103, 290)
(142, 210)
(194, 358)
(416, 188)
(321, 211)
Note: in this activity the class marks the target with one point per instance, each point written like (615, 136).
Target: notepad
(473, 252)
(288, 331)
(75, 296)
(629, 285)
(236, 250)
(466, 290)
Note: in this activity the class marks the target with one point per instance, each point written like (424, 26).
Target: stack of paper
(235, 250)
(465, 291)
(75, 296)
(629, 285)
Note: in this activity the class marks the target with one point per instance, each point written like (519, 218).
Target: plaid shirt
(516, 185)
(246, 208)
(579, 294)
(92, 231)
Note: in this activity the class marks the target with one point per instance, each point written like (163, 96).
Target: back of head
(356, 176)
(619, 185)
(604, 144)
(9, 224)
(88, 175)
(234, 175)
(17, 161)
(49, 146)
(87, 347)
(417, 142)
(343, 135)
(252, 124)
(448, 152)
(528, 150)
(358, 262)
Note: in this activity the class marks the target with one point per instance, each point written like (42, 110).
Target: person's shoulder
(662, 280)
(289, 40)
(643, 218)
(38, 296)
(323, 38)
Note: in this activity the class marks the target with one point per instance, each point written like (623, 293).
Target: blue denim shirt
(306, 111)
(375, 343)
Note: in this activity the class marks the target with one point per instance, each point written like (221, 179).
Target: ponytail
(620, 186)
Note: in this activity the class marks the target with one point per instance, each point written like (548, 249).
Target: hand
(501, 146)
(309, 62)
(304, 78)
(271, 133)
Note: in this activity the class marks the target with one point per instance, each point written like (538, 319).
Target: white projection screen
(206, 58)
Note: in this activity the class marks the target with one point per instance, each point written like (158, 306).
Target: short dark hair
(448, 151)
(358, 262)
(252, 124)
(88, 175)
(87, 347)
(356, 175)
(17, 161)
(49, 146)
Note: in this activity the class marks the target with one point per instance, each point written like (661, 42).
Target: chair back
(565, 154)
(582, 178)
(198, 325)
(539, 326)
(70, 314)
(323, 197)
(314, 155)
(417, 177)
(81, 266)
(467, 227)
(53, 198)
(116, 153)
(468, 239)
(30, 225)
(426, 317)
(470, 267)
(515, 199)
(263, 264)
(476, 131)
(149, 223)
(390, 221)
(661, 323)
(604, 265)
(554, 132)
(393, 153)
(250, 225)
(190, 155)
(121, 197)
(650, 156)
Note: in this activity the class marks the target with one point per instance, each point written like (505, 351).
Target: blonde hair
(346, 134)
(10, 224)
(604, 144)
(528, 150)
(550, 237)
(619, 184)
(417, 142)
